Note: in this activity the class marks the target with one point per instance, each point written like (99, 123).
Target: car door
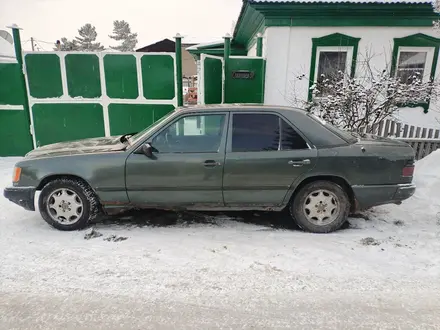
(187, 165)
(265, 154)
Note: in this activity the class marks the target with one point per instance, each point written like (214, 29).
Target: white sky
(153, 20)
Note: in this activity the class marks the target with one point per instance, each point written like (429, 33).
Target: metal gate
(211, 80)
(240, 80)
(75, 95)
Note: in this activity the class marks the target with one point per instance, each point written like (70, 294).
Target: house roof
(164, 45)
(343, 1)
(256, 15)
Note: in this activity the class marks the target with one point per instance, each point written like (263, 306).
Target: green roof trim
(256, 16)
(216, 49)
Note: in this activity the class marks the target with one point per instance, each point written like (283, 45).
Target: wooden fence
(422, 140)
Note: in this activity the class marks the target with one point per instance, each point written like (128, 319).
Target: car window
(347, 136)
(264, 132)
(290, 139)
(135, 138)
(191, 134)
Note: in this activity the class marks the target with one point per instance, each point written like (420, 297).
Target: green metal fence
(49, 97)
(74, 95)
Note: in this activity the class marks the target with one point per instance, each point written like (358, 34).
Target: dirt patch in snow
(369, 241)
(399, 223)
(92, 233)
(115, 238)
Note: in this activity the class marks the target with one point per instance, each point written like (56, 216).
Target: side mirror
(147, 149)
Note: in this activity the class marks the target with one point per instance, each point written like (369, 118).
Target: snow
(7, 52)
(416, 117)
(221, 272)
(206, 44)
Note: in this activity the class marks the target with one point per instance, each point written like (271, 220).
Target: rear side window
(264, 132)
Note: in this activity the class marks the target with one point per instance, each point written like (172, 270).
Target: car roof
(238, 106)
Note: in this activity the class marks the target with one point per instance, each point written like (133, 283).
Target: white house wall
(252, 51)
(289, 50)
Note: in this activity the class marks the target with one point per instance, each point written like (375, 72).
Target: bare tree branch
(360, 103)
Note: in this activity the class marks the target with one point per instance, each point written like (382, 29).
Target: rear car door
(186, 169)
(265, 154)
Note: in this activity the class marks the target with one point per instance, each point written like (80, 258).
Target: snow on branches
(436, 6)
(359, 103)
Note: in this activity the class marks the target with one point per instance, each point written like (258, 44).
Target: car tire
(320, 207)
(68, 204)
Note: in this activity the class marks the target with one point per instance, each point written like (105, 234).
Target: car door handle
(299, 163)
(211, 163)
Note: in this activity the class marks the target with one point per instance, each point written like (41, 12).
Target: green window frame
(333, 42)
(413, 43)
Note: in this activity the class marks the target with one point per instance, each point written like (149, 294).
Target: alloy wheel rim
(65, 206)
(321, 207)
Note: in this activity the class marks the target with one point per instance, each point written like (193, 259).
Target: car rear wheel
(68, 204)
(320, 207)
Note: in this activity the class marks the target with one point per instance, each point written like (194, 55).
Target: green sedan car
(218, 158)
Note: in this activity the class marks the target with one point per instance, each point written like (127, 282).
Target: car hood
(86, 146)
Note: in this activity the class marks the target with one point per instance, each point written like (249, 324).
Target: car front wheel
(320, 207)
(68, 204)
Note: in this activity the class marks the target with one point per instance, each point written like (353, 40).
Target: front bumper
(22, 196)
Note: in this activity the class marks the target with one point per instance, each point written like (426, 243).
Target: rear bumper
(374, 195)
(22, 196)
(404, 191)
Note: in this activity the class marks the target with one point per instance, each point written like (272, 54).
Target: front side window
(192, 134)
(411, 65)
(263, 132)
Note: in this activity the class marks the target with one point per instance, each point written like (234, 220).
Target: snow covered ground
(383, 272)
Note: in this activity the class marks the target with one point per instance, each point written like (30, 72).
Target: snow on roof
(343, 1)
(213, 43)
(7, 52)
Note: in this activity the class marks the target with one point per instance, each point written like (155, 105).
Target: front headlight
(16, 174)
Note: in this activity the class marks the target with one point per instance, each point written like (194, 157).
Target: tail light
(408, 170)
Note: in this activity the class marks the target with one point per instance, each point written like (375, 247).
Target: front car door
(265, 154)
(187, 168)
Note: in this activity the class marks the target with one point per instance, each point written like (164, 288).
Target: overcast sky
(153, 20)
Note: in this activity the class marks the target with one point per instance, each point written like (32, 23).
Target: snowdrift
(427, 178)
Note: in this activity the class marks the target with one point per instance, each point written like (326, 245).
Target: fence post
(179, 77)
(226, 54)
(259, 45)
(19, 56)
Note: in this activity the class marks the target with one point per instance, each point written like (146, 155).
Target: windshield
(133, 139)
(348, 136)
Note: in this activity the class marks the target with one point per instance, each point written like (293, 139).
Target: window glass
(329, 64)
(411, 64)
(135, 138)
(261, 132)
(197, 133)
(290, 139)
(347, 136)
